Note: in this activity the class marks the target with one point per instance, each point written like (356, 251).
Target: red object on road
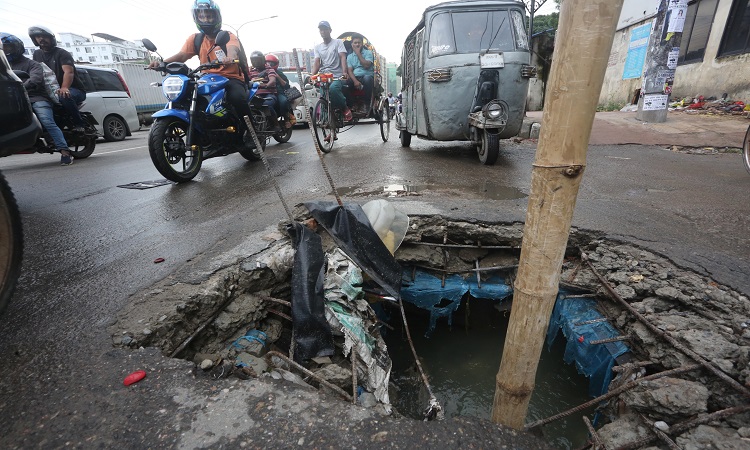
(158, 260)
(580, 339)
(134, 377)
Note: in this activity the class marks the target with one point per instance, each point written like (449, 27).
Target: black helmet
(257, 59)
(38, 30)
(12, 46)
(207, 17)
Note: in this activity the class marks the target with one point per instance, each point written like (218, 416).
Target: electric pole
(584, 37)
(661, 61)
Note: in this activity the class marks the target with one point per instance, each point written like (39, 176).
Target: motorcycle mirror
(149, 45)
(222, 38)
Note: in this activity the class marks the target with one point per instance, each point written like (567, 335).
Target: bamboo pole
(584, 40)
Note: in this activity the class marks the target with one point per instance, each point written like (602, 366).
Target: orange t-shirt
(230, 70)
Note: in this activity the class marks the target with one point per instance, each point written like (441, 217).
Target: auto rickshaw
(465, 73)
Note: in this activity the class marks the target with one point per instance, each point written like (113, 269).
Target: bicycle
(327, 122)
(746, 150)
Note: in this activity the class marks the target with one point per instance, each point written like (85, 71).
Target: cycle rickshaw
(328, 123)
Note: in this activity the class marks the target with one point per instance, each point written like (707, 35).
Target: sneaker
(347, 115)
(66, 160)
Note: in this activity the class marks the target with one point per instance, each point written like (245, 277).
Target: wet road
(91, 244)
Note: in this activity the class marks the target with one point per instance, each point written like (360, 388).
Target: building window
(92, 58)
(700, 16)
(88, 49)
(106, 58)
(67, 44)
(737, 34)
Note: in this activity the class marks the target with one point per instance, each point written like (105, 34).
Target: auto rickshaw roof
(462, 4)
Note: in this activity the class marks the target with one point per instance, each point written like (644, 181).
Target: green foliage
(611, 106)
(542, 23)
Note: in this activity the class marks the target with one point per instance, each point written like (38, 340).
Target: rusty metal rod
(589, 322)
(477, 270)
(696, 357)
(327, 383)
(198, 330)
(597, 441)
(612, 393)
(280, 314)
(631, 366)
(354, 375)
(660, 434)
(688, 424)
(612, 339)
(491, 247)
(274, 300)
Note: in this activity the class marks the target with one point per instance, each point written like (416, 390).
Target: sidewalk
(681, 128)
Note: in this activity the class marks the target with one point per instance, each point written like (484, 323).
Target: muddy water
(462, 361)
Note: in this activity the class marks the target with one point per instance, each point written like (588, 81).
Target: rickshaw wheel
(322, 123)
(489, 149)
(385, 122)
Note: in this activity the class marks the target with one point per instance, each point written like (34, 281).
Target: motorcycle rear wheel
(85, 150)
(284, 136)
(11, 243)
(169, 153)
(323, 124)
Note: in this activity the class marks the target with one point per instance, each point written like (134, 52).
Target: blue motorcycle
(198, 122)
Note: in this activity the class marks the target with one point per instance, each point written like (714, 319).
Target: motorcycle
(198, 123)
(81, 143)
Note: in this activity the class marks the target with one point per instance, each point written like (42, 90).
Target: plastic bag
(50, 83)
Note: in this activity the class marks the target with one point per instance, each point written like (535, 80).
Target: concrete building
(393, 82)
(713, 58)
(110, 49)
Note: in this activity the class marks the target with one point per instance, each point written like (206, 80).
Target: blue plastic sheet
(593, 360)
(426, 292)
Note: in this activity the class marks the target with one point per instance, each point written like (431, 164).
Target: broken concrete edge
(666, 288)
(530, 128)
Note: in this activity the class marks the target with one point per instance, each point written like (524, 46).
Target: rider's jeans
(337, 97)
(43, 111)
(367, 82)
(71, 103)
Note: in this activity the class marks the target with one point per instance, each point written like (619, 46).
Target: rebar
(608, 340)
(312, 129)
(660, 434)
(696, 357)
(612, 393)
(302, 369)
(198, 330)
(280, 314)
(597, 441)
(477, 270)
(492, 247)
(631, 366)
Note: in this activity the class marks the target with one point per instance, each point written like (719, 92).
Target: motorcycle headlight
(493, 110)
(172, 87)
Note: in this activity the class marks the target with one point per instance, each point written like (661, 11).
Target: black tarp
(352, 232)
(312, 334)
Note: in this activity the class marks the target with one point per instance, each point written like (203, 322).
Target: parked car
(311, 94)
(108, 99)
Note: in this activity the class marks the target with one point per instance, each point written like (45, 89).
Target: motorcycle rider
(207, 17)
(37, 91)
(71, 92)
(267, 78)
(282, 83)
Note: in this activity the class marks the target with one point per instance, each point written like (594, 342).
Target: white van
(108, 99)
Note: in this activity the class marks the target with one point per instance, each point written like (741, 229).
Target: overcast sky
(169, 22)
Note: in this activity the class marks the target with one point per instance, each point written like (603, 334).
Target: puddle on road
(488, 190)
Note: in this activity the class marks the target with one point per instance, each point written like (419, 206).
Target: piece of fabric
(55, 60)
(352, 60)
(351, 230)
(312, 334)
(330, 61)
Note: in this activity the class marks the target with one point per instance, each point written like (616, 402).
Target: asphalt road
(91, 244)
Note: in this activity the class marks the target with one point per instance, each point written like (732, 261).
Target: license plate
(491, 61)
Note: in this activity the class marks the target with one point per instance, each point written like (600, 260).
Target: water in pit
(461, 364)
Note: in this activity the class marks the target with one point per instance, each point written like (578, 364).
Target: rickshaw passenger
(330, 57)
(361, 67)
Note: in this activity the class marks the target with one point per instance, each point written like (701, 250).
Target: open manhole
(639, 352)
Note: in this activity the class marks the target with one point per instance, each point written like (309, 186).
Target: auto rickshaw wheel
(405, 138)
(489, 148)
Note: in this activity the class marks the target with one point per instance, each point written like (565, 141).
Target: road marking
(121, 150)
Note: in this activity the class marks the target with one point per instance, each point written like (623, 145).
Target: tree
(532, 6)
(543, 23)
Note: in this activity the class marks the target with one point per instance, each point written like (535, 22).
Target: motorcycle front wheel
(11, 243)
(323, 124)
(169, 152)
(385, 121)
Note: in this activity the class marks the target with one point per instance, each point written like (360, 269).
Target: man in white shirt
(330, 57)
